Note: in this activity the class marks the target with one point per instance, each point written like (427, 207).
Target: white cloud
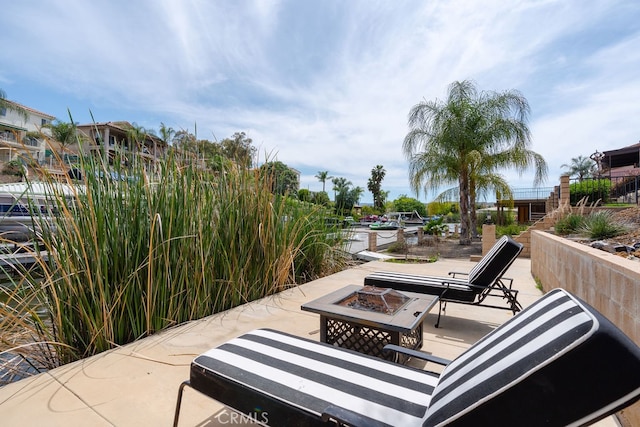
(328, 85)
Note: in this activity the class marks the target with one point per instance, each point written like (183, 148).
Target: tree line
(461, 142)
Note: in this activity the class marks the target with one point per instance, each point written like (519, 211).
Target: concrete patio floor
(137, 384)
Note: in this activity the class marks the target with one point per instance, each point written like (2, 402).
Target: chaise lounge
(558, 362)
(484, 280)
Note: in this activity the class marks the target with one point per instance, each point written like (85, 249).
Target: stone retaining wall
(554, 205)
(544, 224)
(609, 283)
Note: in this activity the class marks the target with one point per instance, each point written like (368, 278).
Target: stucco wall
(609, 283)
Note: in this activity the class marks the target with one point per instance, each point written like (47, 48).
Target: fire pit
(367, 318)
(379, 300)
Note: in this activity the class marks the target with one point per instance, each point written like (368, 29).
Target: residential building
(21, 134)
(622, 162)
(297, 173)
(111, 138)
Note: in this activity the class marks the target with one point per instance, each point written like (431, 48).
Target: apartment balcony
(145, 153)
(8, 139)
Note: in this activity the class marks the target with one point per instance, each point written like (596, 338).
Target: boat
(386, 225)
(407, 218)
(25, 253)
(23, 205)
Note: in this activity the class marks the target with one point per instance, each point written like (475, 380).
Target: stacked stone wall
(524, 238)
(609, 283)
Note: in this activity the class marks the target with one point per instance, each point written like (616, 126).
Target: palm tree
(384, 196)
(166, 133)
(581, 167)
(357, 193)
(64, 133)
(374, 185)
(136, 135)
(465, 140)
(323, 176)
(340, 184)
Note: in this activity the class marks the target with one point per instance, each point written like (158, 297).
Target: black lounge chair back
(558, 362)
(495, 263)
(485, 279)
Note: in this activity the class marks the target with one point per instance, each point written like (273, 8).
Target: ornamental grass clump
(602, 225)
(569, 224)
(132, 251)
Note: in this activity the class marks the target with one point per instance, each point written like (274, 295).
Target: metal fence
(621, 189)
(538, 193)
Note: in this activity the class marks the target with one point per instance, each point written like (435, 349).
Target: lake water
(15, 366)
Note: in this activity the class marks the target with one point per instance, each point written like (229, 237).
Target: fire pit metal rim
(376, 300)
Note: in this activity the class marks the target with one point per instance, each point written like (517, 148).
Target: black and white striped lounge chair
(558, 362)
(484, 280)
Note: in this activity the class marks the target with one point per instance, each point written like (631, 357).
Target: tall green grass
(133, 252)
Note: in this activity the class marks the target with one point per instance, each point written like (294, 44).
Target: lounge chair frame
(484, 280)
(539, 368)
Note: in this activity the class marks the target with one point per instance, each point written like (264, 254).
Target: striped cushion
(495, 262)
(248, 372)
(558, 361)
(457, 289)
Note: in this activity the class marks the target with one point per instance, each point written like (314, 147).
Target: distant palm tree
(384, 196)
(64, 133)
(581, 167)
(375, 186)
(323, 176)
(340, 184)
(357, 193)
(136, 136)
(166, 133)
(465, 140)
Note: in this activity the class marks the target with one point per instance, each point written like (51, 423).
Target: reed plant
(132, 251)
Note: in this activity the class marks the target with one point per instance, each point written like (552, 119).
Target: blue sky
(327, 85)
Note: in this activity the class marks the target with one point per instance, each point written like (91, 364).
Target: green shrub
(442, 208)
(590, 189)
(452, 218)
(510, 230)
(14, 167)
(506, 217)
(505, 223)
(602, 225)
(569, 224)
(304, 195)
(321, 198)
(408, 204)
(435, 227)
(398, 247)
